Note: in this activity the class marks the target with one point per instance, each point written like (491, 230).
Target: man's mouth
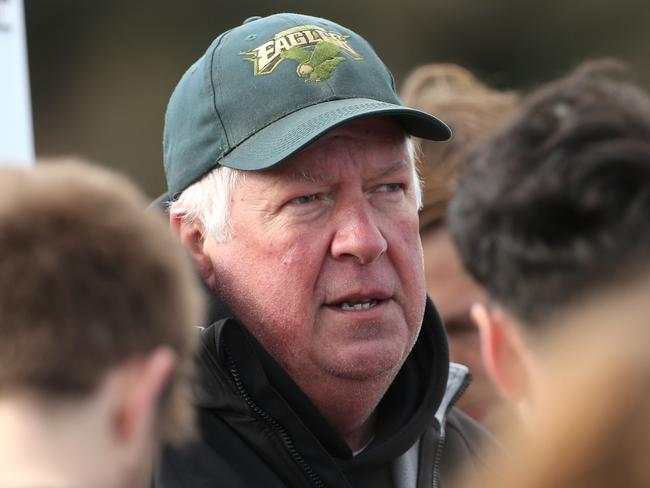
(358, 305)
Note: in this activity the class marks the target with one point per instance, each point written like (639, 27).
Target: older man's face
(325, 263)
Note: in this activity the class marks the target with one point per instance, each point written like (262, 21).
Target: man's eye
(304, 199)
(389, 187)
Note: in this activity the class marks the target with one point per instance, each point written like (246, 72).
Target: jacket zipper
(443, 434)
(281, 432)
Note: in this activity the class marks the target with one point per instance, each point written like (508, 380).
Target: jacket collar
(408, 407)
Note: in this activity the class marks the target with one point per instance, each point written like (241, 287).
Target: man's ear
(505, 355)
(192, 236)
(140, 384)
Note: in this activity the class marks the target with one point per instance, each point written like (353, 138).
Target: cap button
(251, 19)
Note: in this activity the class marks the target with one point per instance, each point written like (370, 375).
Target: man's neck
(349, 406)
(360, 437)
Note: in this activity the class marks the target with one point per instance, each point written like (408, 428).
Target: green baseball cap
(268, 88)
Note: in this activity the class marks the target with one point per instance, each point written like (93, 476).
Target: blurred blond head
(470, 108)
(97, 308)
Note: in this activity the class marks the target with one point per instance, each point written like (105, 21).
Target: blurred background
(102, 70)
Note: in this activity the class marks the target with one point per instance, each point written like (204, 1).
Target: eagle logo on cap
(318, 64)
(315, 49)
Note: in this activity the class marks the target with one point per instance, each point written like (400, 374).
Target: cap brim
(161, 202)
(284, 137)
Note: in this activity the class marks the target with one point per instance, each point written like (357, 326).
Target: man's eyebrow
(304, 175)
(393, 168)
(319, 177)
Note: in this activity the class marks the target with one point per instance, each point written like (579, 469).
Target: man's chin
(365, 363)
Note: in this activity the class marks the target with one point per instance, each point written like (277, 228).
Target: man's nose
(358, 236)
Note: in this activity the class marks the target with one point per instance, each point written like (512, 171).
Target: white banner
(16, 136)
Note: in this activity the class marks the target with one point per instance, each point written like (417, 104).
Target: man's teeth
(364, 305)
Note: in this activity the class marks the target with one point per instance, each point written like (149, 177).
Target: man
(474, 111)
(292, 184)
(97, 313)
(553, 211)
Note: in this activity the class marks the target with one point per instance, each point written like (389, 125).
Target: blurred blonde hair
(90, 280)
(470, 108)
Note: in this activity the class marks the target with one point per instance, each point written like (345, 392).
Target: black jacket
(258, 429)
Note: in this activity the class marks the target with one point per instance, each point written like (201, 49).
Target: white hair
(208, 200)
(418, 182)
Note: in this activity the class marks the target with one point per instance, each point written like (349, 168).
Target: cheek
(299, 256)
(285, 271)
(269, 287)
(289, 247)
(293, 255)
(407, 250)
(288, 306)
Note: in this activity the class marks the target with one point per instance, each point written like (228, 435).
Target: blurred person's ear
(191, 235)
(506, 357)
(139, 385)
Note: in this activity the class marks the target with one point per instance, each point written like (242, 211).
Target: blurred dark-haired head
(557, 203)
